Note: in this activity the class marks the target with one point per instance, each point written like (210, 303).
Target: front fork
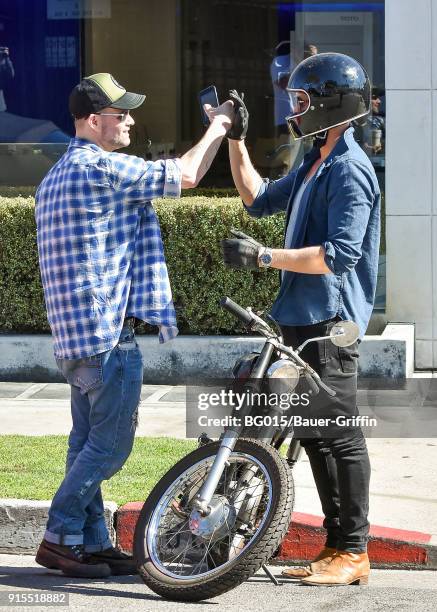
(227, 445)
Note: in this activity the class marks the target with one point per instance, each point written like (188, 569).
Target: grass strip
(32, 467)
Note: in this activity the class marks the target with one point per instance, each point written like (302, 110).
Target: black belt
(131, 322)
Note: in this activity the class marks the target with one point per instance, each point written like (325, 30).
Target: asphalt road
(399, 590)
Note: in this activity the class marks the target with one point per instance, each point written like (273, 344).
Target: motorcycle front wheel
(184, 556)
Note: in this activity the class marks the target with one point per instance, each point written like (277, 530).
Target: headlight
(283, 376)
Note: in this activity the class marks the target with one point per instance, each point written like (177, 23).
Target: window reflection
(250, 45)
(371, 133)
(173, 50)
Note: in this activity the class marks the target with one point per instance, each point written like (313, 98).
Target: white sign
(78, 9)
(334, 19)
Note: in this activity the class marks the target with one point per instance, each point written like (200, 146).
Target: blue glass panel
(36, 77)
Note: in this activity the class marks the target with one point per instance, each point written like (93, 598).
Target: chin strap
(321, 137)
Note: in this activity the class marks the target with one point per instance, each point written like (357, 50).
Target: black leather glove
(240, 124)
(241, 252)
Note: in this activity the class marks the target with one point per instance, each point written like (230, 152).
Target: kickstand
(270, 575)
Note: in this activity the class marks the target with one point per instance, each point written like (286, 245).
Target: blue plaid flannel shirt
(100, 248)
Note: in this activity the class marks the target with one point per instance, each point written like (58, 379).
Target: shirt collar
(82, 143)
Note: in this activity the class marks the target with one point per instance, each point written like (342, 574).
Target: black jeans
(340, 465)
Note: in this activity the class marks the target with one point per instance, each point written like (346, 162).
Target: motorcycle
(218, 515)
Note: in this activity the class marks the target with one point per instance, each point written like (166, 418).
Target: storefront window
(170, 51)
(173, 50)
(253, 46)
(39, 63)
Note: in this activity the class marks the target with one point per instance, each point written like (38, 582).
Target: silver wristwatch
(265, 257)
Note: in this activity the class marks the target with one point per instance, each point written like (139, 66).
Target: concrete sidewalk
(403, 484)
(44, 409)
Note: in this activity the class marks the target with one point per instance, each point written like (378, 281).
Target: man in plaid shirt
(102, 267)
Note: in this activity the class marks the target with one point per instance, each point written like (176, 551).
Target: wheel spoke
(181, 563)
(230, 542)
(230, 469)
(163, 535)
(183, 552)
(204, 556)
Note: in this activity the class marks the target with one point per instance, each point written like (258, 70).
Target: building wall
(139, 45)
(411, 173)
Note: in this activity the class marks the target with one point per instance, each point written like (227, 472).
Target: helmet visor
(299, 104)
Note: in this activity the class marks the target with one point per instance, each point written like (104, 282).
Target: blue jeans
(105, 395)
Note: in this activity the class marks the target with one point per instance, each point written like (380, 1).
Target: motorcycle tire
(258, 550)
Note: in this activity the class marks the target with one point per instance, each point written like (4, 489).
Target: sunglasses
(122, 116)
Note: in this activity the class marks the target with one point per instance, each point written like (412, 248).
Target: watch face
(266, 259)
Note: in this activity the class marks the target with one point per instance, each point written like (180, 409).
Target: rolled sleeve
(351, 196)
(173, 178)
(142, 180)
(329, 256)
(272, 197)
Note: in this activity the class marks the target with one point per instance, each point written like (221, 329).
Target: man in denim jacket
(328, 272)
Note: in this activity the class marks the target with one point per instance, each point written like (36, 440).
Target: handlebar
(316, 383)
(328, 390)
(246, 317)
(237, 311)
(311, 383)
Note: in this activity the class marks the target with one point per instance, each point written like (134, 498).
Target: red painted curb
(125, 520)
(306, 536)
(376, 531)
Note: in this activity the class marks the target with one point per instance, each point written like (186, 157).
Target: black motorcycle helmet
(326, 90)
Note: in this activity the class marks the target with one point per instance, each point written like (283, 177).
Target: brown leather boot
(71, 560)
(120, 563)
(322, 559)
(344, 568)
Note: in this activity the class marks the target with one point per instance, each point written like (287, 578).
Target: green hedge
(21, 297)
(192, 229)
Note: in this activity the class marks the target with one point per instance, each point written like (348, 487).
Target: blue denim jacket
(341, 212)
